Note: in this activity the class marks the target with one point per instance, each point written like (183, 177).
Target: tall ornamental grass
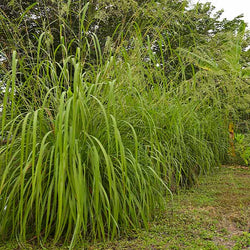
(99, 157)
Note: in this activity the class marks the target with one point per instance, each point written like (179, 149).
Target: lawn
(215, 214)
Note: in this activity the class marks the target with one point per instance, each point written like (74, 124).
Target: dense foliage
(109, 108)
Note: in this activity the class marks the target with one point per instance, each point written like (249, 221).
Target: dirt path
(213, 215)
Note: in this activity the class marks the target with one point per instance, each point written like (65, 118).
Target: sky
(232, 8)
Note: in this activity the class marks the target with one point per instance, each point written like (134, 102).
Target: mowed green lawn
(215, 214)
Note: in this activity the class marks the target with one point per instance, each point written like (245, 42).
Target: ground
(215, 214)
